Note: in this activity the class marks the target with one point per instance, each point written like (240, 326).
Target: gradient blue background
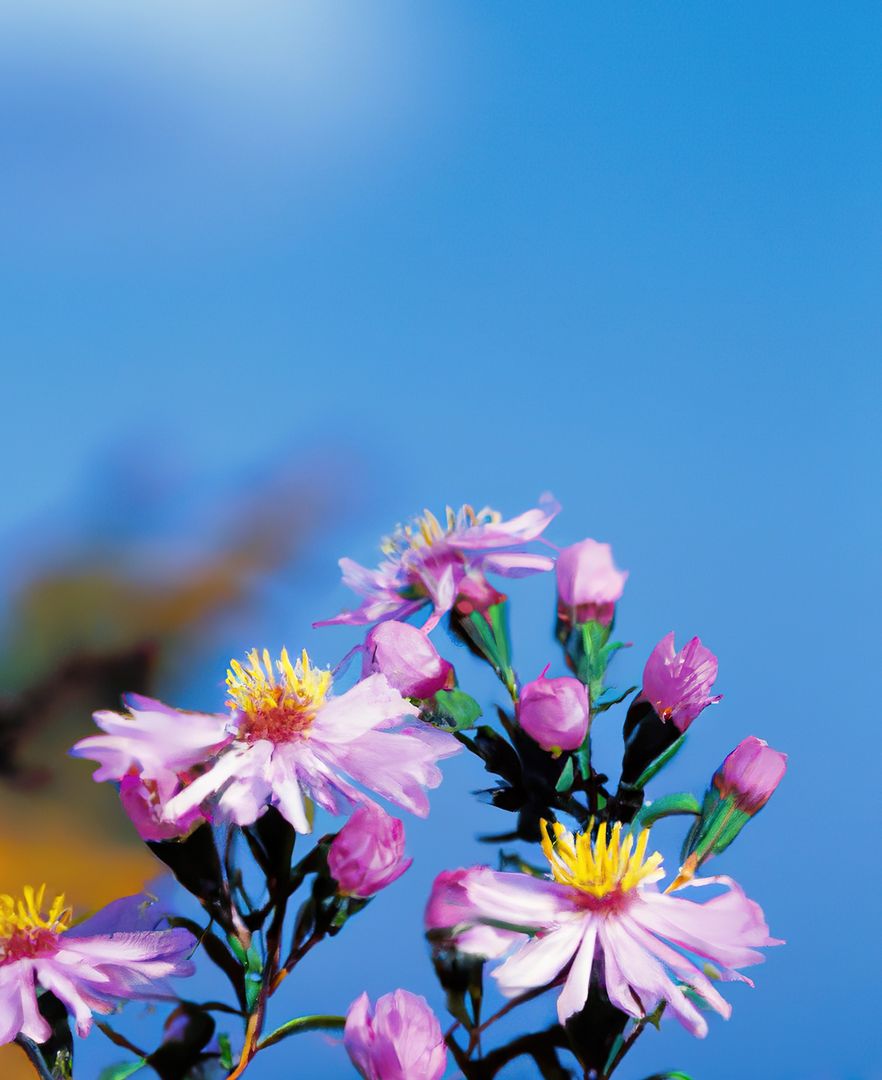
(432, 253)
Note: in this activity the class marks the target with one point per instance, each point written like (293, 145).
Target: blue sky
(446, 252)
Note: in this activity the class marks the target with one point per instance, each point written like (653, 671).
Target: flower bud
(408, 659)
(367, 854)
(750, 774)
(399, 1039)
(588, 582)
(145, 802)
(555, 712)
(677, 685)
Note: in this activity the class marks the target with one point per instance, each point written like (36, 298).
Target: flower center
(277, 704)
(604, 868)
(24, 930)
(426, 530)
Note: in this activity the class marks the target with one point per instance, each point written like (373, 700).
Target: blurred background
(278, 276)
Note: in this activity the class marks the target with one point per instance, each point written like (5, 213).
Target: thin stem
(34, 1057)
(302, 1023)
(120, 1040)
(521, 999)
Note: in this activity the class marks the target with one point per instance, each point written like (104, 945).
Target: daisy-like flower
(602, 916)
(90, 968)
(292, 740)
(428, 562)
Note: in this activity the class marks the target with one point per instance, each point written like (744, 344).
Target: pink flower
(90, 968)
(555, 712)
(408, 659)
(750, 774)
(602, 914)
(367, 854)
(677, 685)
(400, 1039)
(146, 803)
(293, 740)
(430, 563)
(152, 740)
(588, 583)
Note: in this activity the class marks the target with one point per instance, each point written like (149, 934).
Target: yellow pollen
(280, 700)
(608, 864)
(426, 529)
(24, 916)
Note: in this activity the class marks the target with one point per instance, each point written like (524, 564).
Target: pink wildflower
(588, 583)
(430, 563)
(603, 914)
(555, 712)
(750, 774)
(89, 968)
(367, 854)
(399, 1039)
(677, 684)
(408, 659)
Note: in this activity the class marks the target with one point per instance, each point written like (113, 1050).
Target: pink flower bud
(145, 803)
(399, 1039)
(408, 659)
(750, 774)
(555, 712)
(588, 582)
(677, 685)
(367, 854)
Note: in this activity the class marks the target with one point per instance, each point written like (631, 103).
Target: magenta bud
(408, 659)
(397, 1039)
(555, 712)
(750, 774)
(367, 854)
(588, 582)
(677, 684)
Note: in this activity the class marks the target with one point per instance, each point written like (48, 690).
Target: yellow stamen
(603, 866)
(426, 529)
(276, 702)
(25, 915)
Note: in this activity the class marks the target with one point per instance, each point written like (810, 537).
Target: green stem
(318, 1022)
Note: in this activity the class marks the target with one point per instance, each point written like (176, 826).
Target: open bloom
(367, 854)
(408, 659)
(430, 563)
(750, 774)
(677, 684)
(588, 582)
(90, 967)
(292, 739)
(399, 1039)
(555, 712)
(602, 916)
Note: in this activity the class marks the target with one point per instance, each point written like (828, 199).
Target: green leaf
(300, 1024)
(660, 762)
(226, 1050)
(565, 780)
(682, 802)
(453, 710)
(120, 1072)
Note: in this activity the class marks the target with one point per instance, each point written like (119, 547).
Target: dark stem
(34, 1057)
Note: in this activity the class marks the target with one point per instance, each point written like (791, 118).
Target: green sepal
(452, 710)
(721, 821)
(565, 780)
(487, 634)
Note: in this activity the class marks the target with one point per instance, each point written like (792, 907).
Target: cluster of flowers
(595, 921)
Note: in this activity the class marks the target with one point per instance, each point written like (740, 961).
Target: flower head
(555, 712)
(113, 956)
(408, 659)
(677, 684)
(295, 740)
(750, 774)
(588, 582)
(602, 914)
(432, 563)
(367, 854)
(398, 1039)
